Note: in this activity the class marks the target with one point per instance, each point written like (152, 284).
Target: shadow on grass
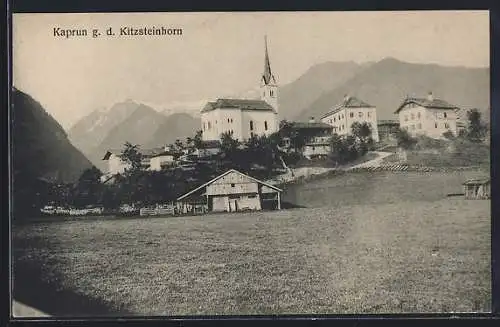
(30, 287)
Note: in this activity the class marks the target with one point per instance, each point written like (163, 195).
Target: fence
(157, 211)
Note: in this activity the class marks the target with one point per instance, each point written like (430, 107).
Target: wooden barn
(477, 189)
(232, 191)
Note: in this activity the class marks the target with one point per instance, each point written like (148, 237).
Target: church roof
(267, 76)
(238, 104)
(427, 103)
(309, 125)
(348, 102)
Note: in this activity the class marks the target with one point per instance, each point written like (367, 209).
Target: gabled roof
(427, 103)
(239, 104)
(224, 174)
(479, 181)
(348, 102)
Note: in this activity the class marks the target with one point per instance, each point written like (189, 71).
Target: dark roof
(427, 103)
(387, 122)
(240, 104)
(148, 153)
(210, 144)
(309, 125)
(349, 102)
(479, 181)
(163, 153)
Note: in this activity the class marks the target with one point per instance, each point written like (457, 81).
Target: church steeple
(268, 85)
(268, 76)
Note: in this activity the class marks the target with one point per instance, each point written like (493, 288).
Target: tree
(88, 189)
(362, 131)
(179, 146)
(132, 156)
(476, 131)
(198, 139)
(228, 144)
(405, 141)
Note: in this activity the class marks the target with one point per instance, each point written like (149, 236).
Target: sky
(220, 54)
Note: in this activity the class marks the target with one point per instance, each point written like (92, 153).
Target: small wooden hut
(477, 189)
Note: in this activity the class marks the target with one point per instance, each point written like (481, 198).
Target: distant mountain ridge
(386, 83)
(41, 148)
(133, 122)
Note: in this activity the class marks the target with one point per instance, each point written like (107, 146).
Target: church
(243, 118)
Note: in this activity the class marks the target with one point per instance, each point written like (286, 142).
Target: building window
(271, 93)
(369, 114)
(418, 115)
(232, 185)
(231, 120)
(209, 125)
(419, 126)
(342, 127)
(412, 116)
(265, 125)
(444, 114)
(406, 117)
(333, 119)
(216, 122)
(446, 125)
(435, 125)
(360, 114)
(412, 127)
(251, 125)
(352, 114)
(228, 120)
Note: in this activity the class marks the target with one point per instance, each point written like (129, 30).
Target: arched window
(271, 93)
(265, 125)
(251, 125)
(352, 114)
(444, 114)
(209, 125)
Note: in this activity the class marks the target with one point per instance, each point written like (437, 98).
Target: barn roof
(224, 174)
(477, 181)
(427, 103)
(238, 104)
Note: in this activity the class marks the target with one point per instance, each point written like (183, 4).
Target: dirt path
(374, 162)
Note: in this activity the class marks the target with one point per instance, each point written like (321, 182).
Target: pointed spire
(268, 75)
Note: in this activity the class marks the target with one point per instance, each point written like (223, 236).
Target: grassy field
(396, 252)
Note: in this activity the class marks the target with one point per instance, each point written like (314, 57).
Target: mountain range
(41, 148)
(129, 121)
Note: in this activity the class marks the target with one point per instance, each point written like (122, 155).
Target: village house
(243, 118)
(207, 149)
(349, 111)
(151, 160)
(229, 192)
(316, 136)
(161, 160)
(427, 116)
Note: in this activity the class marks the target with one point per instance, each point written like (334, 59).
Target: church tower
(268, 85)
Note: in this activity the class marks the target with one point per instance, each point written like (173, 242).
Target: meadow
(363, 243)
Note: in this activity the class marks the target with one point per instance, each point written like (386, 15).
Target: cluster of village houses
(242, 118)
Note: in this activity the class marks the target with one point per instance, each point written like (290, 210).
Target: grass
(378, 254)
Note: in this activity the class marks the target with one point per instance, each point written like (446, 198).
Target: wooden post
(279, 201)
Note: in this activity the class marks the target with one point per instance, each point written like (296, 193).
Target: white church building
(244, 117)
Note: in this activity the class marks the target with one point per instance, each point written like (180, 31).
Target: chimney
(311, 120)
(430, 97)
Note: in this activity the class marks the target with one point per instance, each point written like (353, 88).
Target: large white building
(349, 111)
(427, 116)
(244, 117)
